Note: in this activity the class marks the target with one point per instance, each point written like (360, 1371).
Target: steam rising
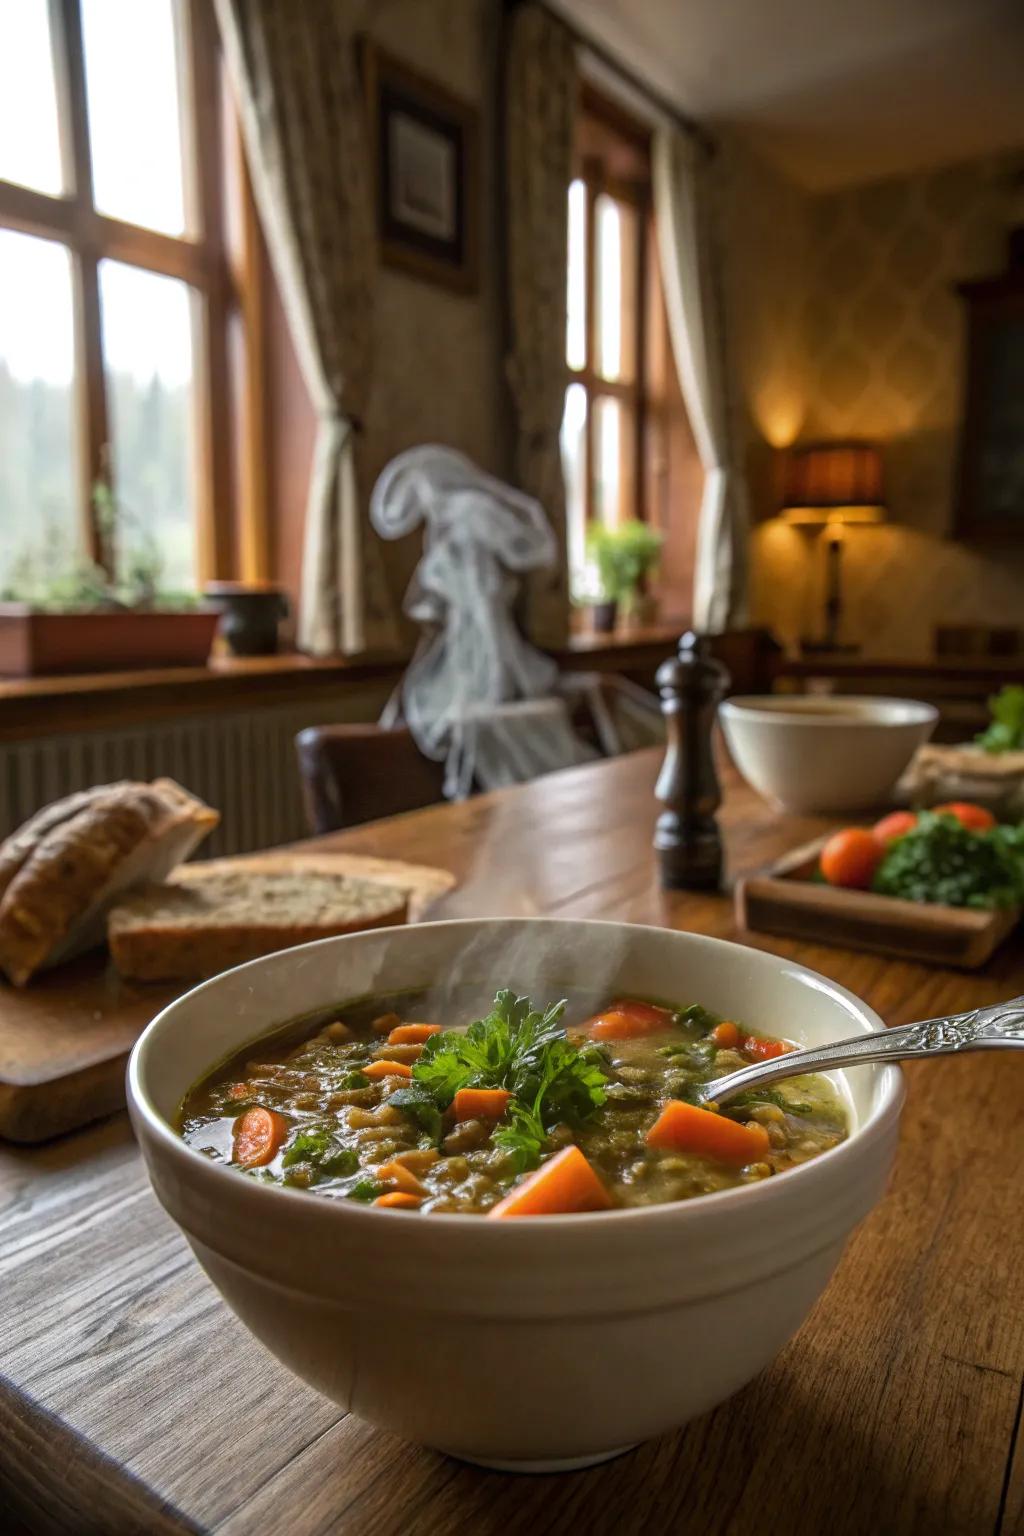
(459, 980)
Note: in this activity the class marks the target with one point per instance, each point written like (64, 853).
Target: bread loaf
(61, 871)
(209, 917)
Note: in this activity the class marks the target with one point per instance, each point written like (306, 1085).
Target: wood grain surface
(65, 1038)
(132, 1392)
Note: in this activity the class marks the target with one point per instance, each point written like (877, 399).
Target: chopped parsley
(523, 1050)
(365, 1189)
(355, 1080)
(700, 1017)
(319, 1149)
(419, 1104)
(941, 861)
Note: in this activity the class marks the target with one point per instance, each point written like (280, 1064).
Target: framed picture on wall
(990, 501)
(423, 143)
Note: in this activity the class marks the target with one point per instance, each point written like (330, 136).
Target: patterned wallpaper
(882, 340)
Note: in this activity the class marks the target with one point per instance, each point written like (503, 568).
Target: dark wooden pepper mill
(686, 837)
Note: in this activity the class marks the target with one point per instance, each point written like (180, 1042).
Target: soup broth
(585, 1110)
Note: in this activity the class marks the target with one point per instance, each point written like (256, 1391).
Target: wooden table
(125, 1402)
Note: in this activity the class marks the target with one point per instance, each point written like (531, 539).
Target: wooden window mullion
(212, 471)
(590, 352)
(640, 368)
(90, 383)
(254, 523)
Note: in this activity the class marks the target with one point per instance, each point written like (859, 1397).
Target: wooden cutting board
(786, 900)
(65, 1039)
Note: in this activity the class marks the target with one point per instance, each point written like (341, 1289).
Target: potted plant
(60, 612)
(622, 557)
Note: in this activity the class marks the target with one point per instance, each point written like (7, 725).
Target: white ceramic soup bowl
(840, 753)
(536, 1343)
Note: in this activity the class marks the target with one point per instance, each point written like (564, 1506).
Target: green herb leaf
(365, 1189)
(306, 1147)
(526, 1051)
(941, 861)
(523, 1137)
(355, 1080)
(700, 1017)
(1006, 731)
(319, 1149)
(419, 1105)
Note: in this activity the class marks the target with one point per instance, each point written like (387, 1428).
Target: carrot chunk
(402, 1177)
(386, 1068)
(628, 1019)
(565, 1183)
(760, 1049)
(399, 1200)
(684, 1128)
(726, 1035)
(412, 1034)
(257, 1135)
(480, 1103)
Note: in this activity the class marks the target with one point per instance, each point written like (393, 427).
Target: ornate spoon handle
(1000, 1026)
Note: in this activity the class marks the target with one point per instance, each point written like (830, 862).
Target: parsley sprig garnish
(518, 1048)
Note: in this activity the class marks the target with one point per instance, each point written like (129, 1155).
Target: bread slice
(61, 871)
(209, 917)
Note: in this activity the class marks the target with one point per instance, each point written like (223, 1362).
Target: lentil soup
(517, 1114)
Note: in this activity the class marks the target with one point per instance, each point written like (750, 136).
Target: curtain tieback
(343, 421)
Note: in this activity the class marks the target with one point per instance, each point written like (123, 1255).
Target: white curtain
(683, 217)
(293, 70)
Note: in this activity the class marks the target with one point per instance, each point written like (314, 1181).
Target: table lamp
(827, 486)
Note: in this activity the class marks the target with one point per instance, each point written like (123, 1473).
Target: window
(626, 445)
(115, 290)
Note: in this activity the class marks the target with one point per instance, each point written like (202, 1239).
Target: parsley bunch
(518, 1048)
(1005, 731)
(941, 861)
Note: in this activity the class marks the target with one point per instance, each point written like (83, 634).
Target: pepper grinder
(686, 837)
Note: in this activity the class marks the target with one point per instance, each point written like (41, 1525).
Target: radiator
(243, 764)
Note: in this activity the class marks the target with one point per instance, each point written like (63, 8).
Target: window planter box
(33, 643)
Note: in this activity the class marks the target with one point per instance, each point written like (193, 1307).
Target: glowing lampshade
(833, 483)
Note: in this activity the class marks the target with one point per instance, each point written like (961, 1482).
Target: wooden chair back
(356, 773)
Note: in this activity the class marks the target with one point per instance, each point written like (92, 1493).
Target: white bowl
(545, 1342)
(841, 753)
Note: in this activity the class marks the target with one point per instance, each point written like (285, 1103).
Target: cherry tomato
(628, 1019)
(896, 824)
(851, 857)
(974, 817)
(759, 1049)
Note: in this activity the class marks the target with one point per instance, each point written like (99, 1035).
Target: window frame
(202, 258)
(633, 395)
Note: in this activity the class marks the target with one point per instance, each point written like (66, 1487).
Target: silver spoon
(1000, 1026)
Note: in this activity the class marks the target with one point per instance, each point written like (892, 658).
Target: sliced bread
(209, 917)
(61, 871)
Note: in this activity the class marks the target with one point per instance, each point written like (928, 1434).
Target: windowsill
(38, 706)
(664, 632)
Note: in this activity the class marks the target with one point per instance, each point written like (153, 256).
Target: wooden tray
(786, 900)
(65, 1039)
